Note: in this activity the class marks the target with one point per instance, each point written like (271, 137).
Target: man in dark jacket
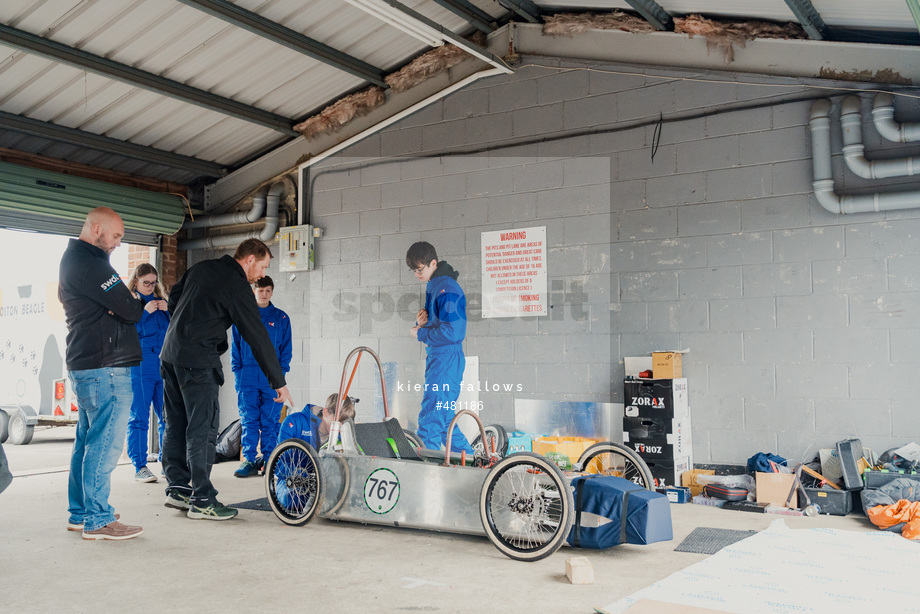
(102, 346)
(210, 297)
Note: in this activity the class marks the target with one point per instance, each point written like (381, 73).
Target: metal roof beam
(525, 9)
(149, 81)
(291, 39)
(809, 18)
(73, 136)
(652, 12)
(478, 18)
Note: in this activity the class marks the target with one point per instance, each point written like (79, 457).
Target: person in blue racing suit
(312, 423)
(146, 381)
(260, 415)
(441, 326)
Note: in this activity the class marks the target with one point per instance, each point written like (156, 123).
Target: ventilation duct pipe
(823, 184)
(268, 199)
(883, 117)
(234, 218)
(854, 150)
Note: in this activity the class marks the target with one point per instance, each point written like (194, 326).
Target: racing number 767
(379, 488)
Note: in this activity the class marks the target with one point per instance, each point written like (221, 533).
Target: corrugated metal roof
(173, 40)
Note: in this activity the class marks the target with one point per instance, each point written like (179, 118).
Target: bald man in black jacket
(102, 346)
(209, 298)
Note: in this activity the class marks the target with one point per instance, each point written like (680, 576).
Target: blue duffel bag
(610, 511)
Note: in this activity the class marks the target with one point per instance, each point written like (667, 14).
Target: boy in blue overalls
(441, 326)
(259, 414)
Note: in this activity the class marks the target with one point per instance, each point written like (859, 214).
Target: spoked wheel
(615, 459)
(496, 433)
(526, 507)
(293, 482)
(413, 439)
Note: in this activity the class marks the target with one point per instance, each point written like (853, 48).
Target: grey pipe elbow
(232, 219)
(827, 198)
(883, 118)
(270, 202)
(854, 149)
(271, 214)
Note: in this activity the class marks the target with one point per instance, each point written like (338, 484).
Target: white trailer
(34, 387)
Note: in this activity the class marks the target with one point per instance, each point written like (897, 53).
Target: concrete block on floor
(579, 570)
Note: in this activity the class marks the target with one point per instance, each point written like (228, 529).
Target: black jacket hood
(445, 270)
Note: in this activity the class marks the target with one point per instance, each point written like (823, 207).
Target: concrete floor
(255, 562)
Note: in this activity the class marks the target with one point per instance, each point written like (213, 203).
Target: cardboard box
(656, 398)
(673, 444)
(773, 488)
(667, 472)
(667, 365)
(689, 480)
(655, 427)
(634, 365)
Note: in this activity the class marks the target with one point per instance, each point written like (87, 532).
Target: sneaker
(73, 526)
(115, 531)
(246, 470)
(144, 475)
(178, 501)
(214, 511)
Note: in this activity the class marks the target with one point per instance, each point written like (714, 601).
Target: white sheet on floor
(782, 570)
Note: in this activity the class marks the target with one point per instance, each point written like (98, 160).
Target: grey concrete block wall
(801, 325)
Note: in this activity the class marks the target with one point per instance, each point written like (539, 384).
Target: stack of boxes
(656, 420)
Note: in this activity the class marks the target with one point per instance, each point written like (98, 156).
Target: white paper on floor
(782, 570)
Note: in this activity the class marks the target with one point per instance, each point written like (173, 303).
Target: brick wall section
(137, 254)
(802, 325)
(173, 263)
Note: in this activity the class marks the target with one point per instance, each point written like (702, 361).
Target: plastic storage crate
(830, 501)
(572, 447)
(519, 441)
(877, 479)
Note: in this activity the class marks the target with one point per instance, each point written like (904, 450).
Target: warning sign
(514, 273)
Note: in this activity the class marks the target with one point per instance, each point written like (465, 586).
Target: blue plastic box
(519, 441)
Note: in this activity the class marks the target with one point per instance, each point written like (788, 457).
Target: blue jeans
(147, 391)
(104, 397)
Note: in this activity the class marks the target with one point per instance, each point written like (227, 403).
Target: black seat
(373, 437)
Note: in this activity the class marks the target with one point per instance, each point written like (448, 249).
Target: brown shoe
(114, 530)
(71, 526)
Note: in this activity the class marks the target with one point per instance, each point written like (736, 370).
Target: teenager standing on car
(102, 346)
(210, 297)
(260, 415)
(145, 378)
(441, 326)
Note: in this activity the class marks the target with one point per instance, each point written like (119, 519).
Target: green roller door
(45, 201)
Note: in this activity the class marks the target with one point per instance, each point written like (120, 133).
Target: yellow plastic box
(572, 447)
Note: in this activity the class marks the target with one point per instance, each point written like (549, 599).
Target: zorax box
(666, 398)
(648, 442)
(667, 472)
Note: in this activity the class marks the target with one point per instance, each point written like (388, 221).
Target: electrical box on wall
(295, 244)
